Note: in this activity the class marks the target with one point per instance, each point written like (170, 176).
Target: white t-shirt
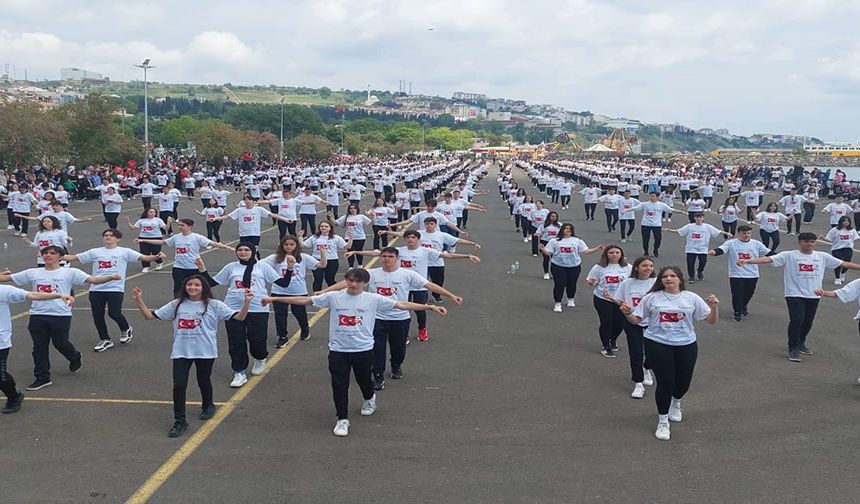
(632, 290)
(106, 262)
(850, 292)
(59, 280)
(437, 242)
(737, 249)
(352, 318)
(286, 207)
(46, 238)
(803, 273)
(608, 278)
(565, 252)
(417, 260)
(112, 202)
(249, 219)
(840, 238)
(396, 286)
(231, 276)
(150, 228)
(308, 203)
(668, 318)
(354, 225)
(298, 285)
(323, 243)
(186, 248)
(698, 237)
(195, 327)
(382, 214)
(652, 213)
(8, 295)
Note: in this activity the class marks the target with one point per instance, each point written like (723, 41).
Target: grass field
(216, 93)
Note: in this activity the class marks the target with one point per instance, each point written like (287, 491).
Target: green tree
(307, 146)
(263, 117)
(217, 139)
(29, 134)
(94, 134)
(324, 92)
(178, 132)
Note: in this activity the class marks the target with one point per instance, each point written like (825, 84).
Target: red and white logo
(106, 264)
(427, 245)
(744, 255)
(348, 320)
(566, 250)
(239, 284)
(248, 218)
(149, 228)
(696, 236)
(186, 323)
(845, 237)
(44, 243)
(650, 213)
(46, 288)
(181, 250)
(771, 219)
(805, 267)
(613, 279)
(406, 264)
(551, 232)
(386, 291)
(671, 317)
(322, 247)
(636, 301)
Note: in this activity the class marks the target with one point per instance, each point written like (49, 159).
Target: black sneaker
(378, 382)
(282, 342)
(691, 280)
(39, 384)
(607, 352)
(75, 365)
(701, 277)
(396, 373)
(804, 350)
(13, 404)
(745, 313)
(736, 317)
(613, 345)
(208, 412)
(794, 356)
(656, 254)
(306, 334)
(178, 429)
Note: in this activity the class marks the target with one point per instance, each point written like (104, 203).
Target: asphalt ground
(507, 403)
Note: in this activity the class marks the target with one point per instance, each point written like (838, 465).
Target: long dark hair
(182, 294)
(843, 220)
(330, 228)
(634, 272)
(562, 228)
(604, 257)
(281, 254)
(55, 223)
(551, 218)
(658, 284)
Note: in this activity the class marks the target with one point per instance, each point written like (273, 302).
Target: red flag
(340, 108)
(348, 320)
(186, 323)
(671, 317)
(385, 291)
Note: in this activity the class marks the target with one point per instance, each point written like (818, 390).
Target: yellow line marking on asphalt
(107, 401)
(163, 473)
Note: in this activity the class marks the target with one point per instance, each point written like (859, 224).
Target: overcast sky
(782, 66)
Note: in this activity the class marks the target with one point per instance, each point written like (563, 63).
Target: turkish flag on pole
(340, 108)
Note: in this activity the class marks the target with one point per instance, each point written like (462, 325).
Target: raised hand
(136, 293)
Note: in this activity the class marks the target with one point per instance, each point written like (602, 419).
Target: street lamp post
(282, 130)
(146, 66)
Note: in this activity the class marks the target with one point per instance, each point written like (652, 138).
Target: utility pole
(146, 66)
(281, 158)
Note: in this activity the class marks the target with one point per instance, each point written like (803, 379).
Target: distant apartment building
(465, 112)
(498, 116)
(459, 95)
(622, 123)
(77, 74)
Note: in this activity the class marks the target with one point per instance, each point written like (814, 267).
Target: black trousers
(767, 238)
(797, 219)
(843, 254)
(243, 335)
(545, 258)
(742, 291)
(113, 301)
(629, 224)
(213, 230)
(465, 219)
(564, 280)
(285, 228)
(21, 224)
(730, 227)
(150, 249)
(589, 210)
(379, 242)
(801, 315)
(673, 368)
(164, 215)
(308, 222)
(419, 297)
(647, 231)
(111, 218)
(356, 245)
(281, 311)
(179, 275)
(391, 333)
(436, 275)
(147, 202)
(339, 366)
(181, 371)
(611, 321)
(636, 350)
(611, 218)
(808, 212)
(565, 200)
(333, 209)
(45, 329)
(691, 264)
(328, 274)
(7, 382)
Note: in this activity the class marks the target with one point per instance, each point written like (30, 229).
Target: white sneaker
(145, 270)
(638, 391)
(675, 413)
(126, 335)
(546, 276)
(17, 233)
(525, 240)
(571, 303)
(341, 428)
(624, 240)
(663, 433)
(103, 345)
(259, 367)
(240, 379)
(158, 266)
(557, 308)
(208, 247)
(649, 378)
(837, 281)
(10, 226)
(368, 407)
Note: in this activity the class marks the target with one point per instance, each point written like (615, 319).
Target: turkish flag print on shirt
(613, 279)
(106, 264)
(186, 323)
(44, 288)
(386, 291)
(671, 317)
(348, 320)
(805, 267)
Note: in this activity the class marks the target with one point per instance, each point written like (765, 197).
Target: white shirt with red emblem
(298, 285)
(394, 285)
(262, 275)
(632, 290)
(698, 237)
(417, 260)
(249, 219)
(668, 318)
(59, 280)
(150, 228)
(352, 318)
(195, 327)
(608, 278)
(186, 248)
(737, 249)
(47, 238)
(565, 251)
(803, 273)
(107, 261)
